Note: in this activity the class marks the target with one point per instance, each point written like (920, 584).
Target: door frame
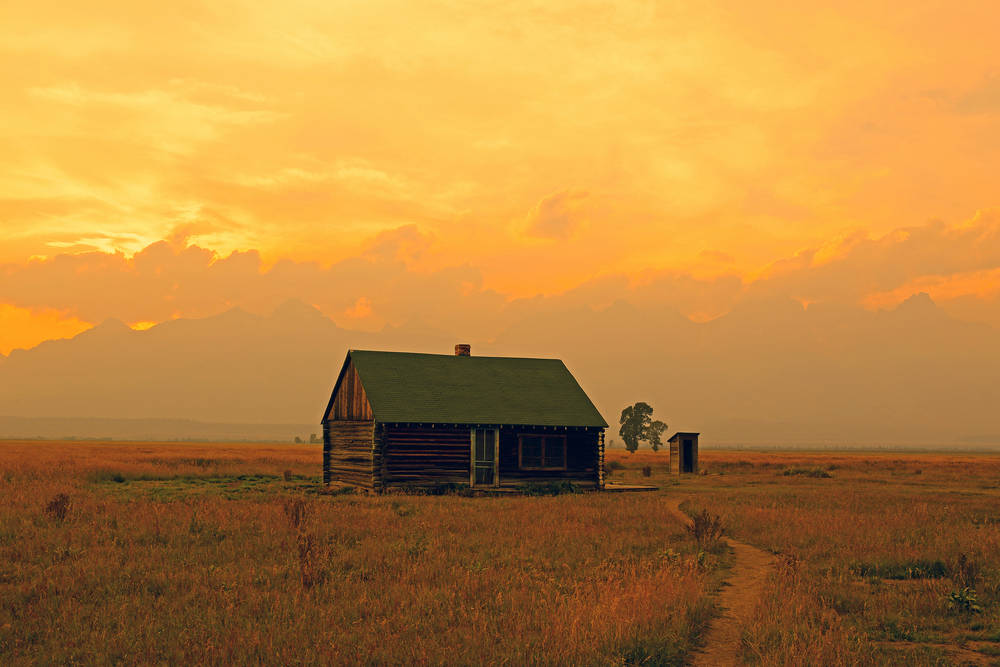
(472, 456)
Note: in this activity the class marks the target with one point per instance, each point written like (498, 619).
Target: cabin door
(484, 457)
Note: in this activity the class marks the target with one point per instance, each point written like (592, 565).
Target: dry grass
(155, 553)
(221, 553)
(872, 545)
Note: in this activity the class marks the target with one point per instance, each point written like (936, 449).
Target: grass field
(208, 553)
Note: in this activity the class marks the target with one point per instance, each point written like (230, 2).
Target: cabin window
(541, 452)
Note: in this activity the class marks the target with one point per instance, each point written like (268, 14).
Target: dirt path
(737, 599)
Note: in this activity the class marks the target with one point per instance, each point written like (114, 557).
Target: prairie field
(220, 554)
(211, 553)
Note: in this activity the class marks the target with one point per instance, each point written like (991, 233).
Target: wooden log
(350, 453)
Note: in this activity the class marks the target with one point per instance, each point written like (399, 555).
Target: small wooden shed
(683, 453)
(407, 419)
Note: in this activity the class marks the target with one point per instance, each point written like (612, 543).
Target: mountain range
(769, 371)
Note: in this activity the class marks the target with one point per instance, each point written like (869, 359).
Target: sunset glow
(491, 152)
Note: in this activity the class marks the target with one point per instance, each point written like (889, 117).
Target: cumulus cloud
(717, 256)
(557, 216)
(168, 279)
(407, 243)
(386, 284)
(857, 265)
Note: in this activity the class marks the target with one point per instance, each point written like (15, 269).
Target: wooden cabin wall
(600, 460)
(347, 452)
(583, 455)
(350, 403)
(421, 455)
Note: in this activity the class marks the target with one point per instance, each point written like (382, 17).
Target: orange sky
(530, 147)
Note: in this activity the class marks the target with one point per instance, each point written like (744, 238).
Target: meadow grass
(208, 553)
(872, 547)
(201, 553)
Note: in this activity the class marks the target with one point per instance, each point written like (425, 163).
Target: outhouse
(683, 453)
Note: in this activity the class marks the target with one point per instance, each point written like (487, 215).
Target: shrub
(647, 471)
(806, 472)
(914, 569)
(614, 465)
(964, 601)
(549, 488)
(965, 572)
(58, 507)
(706, 529)
(333, 490)
(105, 475)
(438, 489)
(296, 510)
(288, 475)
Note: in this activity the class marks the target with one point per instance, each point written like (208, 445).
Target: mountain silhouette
(770, 370)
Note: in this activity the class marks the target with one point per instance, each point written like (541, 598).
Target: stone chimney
(463, 350)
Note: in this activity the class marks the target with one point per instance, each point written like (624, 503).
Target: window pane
(531, 451)
(481, 451)
(554, 450)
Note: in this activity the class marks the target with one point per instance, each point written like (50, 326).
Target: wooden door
(484, 457)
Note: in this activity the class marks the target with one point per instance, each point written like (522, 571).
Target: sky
(443, 161)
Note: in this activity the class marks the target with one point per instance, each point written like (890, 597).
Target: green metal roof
(447, 389)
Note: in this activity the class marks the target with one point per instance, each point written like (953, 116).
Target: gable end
(349, 401)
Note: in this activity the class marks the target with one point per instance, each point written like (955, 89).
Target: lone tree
(637, 424)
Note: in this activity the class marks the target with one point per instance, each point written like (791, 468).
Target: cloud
(857, 265)
(557, 216)
(389, 281)
(26, 327)
(407, 243)
(984, 98)
(717, 256)
(169, 279)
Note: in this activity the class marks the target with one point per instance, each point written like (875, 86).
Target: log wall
(347, 452)
(376, 456)
(583, 454)
(422, 455)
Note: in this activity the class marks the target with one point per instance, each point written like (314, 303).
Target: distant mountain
(235, 367)
(769, 371)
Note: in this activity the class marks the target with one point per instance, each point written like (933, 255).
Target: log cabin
(400, 419)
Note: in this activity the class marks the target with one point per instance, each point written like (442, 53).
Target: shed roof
(447, 389)
(677, 435)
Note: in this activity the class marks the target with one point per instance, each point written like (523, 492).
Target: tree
(637, 424)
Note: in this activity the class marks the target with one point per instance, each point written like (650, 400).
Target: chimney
(463, 350)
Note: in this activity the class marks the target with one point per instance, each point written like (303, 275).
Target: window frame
(545, 437)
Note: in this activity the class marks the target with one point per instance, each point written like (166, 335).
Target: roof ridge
(453, 356)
